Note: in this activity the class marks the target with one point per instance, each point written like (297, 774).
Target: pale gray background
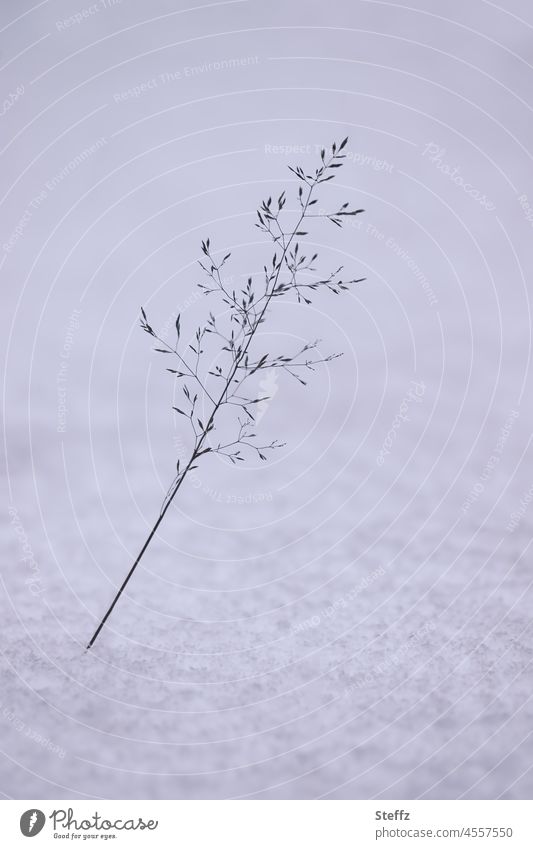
(209, 682)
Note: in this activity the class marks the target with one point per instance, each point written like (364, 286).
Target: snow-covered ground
(353, 618)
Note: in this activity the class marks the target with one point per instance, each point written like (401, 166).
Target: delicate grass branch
(226, 340)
